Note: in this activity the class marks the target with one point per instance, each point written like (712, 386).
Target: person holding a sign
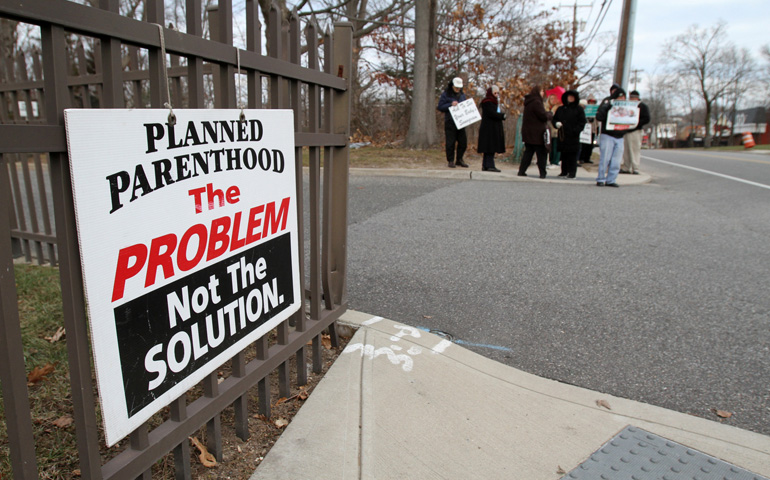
(491, 135)
(534, 126)
(451, 97)
(570, 119)
(611, 139)
(632, 149)
(587, 143)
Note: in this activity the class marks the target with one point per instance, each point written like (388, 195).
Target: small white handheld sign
(623, 115)
(465, 113)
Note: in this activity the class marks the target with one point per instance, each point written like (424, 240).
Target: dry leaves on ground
(63, 422)
(560, 471)
(206, 458)
(603, 403)
(281, 423)
(722, 413)
(57, 335)
(38, 374)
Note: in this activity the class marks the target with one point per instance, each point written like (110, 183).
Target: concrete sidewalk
(509, 172)
(401, 403)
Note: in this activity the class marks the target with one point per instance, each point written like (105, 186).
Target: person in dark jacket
(533, 126)
(632, 141)
(491, 135)
(570, 119)
(610, 144)
(454, 136)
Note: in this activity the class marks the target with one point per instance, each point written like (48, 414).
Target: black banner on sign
(169, 333)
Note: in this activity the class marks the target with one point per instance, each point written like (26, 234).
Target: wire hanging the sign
(167, 104)
(242, 117)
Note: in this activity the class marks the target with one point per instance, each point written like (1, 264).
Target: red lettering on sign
(170, 253)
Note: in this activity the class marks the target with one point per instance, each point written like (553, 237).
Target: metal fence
(35, 186)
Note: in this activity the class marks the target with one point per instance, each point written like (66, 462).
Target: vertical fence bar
(31, 205)
(21, 217)
(139, 440)
(213, 426)
(314, 166)
(335, 203)
(329, 153)
(254, 44)
(13, 378)
(112, 64)
(296, 103)
(343, 47)
(43, 196)
(263, 386)
(182, 467)
(155, 14)
(136, 85)
(193, 13)
(73, 303)
(277, 92)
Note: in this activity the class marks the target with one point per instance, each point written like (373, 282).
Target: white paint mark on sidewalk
(404, 330)
(441, 346)
(371, 321)
(370, 352)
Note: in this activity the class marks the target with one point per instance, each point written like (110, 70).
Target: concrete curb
(583, 178)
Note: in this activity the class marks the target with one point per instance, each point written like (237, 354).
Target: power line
(598, 25)
(604, 2)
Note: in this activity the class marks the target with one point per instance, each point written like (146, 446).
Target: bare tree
(765, 73)
(711, 61)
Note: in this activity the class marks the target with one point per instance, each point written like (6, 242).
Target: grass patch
(383, 157)
(388, 157)
(40, 311)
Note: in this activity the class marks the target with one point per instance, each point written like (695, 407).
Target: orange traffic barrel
(748, 140)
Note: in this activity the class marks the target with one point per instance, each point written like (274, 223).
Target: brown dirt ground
(241, 458)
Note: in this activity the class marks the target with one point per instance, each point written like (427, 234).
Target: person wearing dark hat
(534, 124)
(454, 136)
(491, 135)
(614, 87)
(570, 119)
(632, 148)
(610, 144)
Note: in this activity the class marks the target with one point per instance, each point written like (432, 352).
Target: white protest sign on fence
(585, 135)
(465, 113)
(188, 241)
(623, 115)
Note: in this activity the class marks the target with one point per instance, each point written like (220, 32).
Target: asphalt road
(657, 293)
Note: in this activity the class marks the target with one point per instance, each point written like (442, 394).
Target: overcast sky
(748, 23)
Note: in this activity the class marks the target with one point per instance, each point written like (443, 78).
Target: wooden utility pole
(625, 43)
(636, 76)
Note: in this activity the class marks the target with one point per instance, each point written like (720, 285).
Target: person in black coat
(491, 135)
(570, 119)
(533, 126)
(454, 136)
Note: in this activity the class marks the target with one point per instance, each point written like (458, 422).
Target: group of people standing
(568, 120)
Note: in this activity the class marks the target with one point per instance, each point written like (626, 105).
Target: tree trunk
(707, 135)
(422, 125)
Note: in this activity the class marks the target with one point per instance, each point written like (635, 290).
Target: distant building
(752, 120)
